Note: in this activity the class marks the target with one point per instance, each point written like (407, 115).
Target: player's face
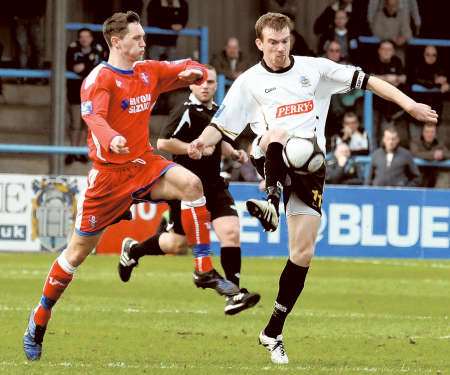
(275, 46)
(205, 92)
(132, 45)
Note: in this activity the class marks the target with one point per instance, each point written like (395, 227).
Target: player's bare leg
(271, 144)
(302, 231)
(227, 229)
(58, 279)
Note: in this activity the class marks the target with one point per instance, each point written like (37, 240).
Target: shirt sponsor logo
(86, 108)
(269, 90)
(140, 103)
(295, 109)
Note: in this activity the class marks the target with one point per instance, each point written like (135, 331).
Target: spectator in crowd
(81, 57)
(342, 168)
(391, 164)
(392, 23)
(326, 19)
(340, 103)
(430, 74)
(28, 32)
(341, 34)
(410, 7)
(388, 67)
(231, 61)
(428, 147)
(166, 14)
(353, 135)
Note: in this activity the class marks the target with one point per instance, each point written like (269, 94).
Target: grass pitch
(354, 317)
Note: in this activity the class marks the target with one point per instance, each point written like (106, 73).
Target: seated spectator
(353, 135)
(430, 74)
(392, 23)
(170, 15)
(410, 7)
(333, 51)
(428, 147)
(81, 57)
(391, 164)
(342, 168)
(231, 62)
(388, 67)
(341, 34)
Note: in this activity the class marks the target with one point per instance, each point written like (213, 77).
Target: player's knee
(193, 188)
(231, 237)
(76, 253)
(303, 255)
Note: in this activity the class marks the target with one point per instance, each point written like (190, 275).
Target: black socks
(230, 258)
(148, 247)
(276, 171)
(291, 284)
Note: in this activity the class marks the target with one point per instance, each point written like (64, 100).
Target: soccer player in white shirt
(280, 97)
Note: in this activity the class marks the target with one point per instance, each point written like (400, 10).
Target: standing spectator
(326, 19)
(81, 57)
(428, 147)
(341, 34)
(28, 32)
(342, 168)
(388, 67)
(231, 62)
(166, 14)
(430, 74)
(353, 135)
(410, 7)
(392, 165)
(392, 23)
(286, 7)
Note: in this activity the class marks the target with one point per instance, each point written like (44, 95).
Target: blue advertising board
(360, 222)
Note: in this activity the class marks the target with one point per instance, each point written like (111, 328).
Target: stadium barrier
(37, 214)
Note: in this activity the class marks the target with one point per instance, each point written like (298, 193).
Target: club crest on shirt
(118, 83)
(304, 81)
(144, 78)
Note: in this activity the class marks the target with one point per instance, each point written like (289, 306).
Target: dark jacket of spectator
(326, 19)
(75, 55)
(164, 14)
(223, 65)
(401, 172)
(349, 174)
(424, 150)
(299, 47)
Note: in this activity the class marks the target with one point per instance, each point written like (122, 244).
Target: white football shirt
(295, 99)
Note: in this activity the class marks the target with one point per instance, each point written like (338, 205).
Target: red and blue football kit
(119, 102)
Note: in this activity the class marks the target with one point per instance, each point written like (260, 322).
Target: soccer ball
(303, 155)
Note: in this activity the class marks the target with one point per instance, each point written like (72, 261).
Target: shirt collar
(284, 70)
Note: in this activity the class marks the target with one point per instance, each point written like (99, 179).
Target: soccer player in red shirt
(116, 102)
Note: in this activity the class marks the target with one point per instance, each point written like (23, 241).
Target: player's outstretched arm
(209, 137)
(419, 111)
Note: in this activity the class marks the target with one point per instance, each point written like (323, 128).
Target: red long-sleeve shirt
(119, 102)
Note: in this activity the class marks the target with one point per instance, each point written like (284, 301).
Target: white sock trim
(197, 203)
(64, 263)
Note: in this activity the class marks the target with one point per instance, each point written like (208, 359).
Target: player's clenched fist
(195, 149)
(118, 145)
(190, 75)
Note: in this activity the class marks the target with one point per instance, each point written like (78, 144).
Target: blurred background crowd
(331, 29)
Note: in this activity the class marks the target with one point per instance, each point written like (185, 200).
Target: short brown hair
(117, 25)
(275, 21)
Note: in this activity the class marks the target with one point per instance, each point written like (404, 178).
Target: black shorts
(307, 187)
(219, 203)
